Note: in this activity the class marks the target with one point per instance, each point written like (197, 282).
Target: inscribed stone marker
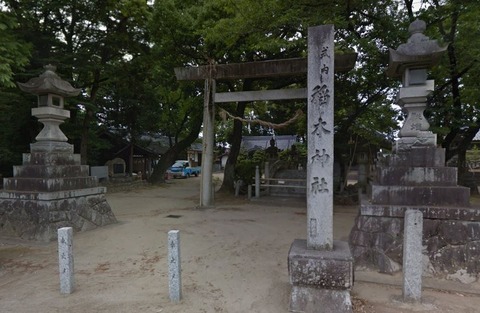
(412, 256)
(320, 137)
(174, 269)
(321, 274)
(65, 260)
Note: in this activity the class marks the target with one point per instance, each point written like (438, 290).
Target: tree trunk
(84, 137)
(130, 158)
(462, 167)
(169, 157)
(454, 83)
(88, 118)
(229, 172)
(461, 151)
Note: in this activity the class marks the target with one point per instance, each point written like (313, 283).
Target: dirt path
(233, 260)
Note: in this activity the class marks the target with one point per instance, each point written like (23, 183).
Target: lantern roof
(419, 52)
(49, 82)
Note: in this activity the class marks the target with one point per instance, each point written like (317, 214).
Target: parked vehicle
(182, 168)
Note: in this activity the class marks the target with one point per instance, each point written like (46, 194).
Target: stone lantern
(413, 189)
(410, 62)
(50, 90)
(51, 189)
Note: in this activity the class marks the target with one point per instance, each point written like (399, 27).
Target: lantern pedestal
(51, 138)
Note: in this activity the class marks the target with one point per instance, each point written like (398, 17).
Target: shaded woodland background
(122, 54)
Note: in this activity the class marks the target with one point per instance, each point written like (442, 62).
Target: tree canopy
(14, 52)
(122, 55)
(454, 106)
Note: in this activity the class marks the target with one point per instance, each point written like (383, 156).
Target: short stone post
(238, 184)
(257, 182)
(174, 268)
(412, 256)
(249, 192)
(65, 258)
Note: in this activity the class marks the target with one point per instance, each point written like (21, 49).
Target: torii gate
(260, 69)
(320, 269)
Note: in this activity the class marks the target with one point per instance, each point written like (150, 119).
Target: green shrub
(245, 170)
(297, 154)
(245, 167)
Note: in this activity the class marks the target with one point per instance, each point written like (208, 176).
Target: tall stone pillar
(320, 138)
(320, 269)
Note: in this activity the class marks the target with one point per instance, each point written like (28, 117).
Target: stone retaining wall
(451, 240)
(36, 219)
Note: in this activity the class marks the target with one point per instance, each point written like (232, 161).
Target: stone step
(43, 158)
(453, 212)
(420, 195)
(48, 184)
(50, 196)
(50, 171)
(417, 157)
(417, 176)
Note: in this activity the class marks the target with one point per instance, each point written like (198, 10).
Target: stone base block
(51, 171)
(321, 279)
(423, 139)
(416, 176)
(328, 269)
(53, 158)
(49, 184)
(417, 157)
(421, 195)
(51, 146)
(51, 190)
(313, 300)
(467, 213)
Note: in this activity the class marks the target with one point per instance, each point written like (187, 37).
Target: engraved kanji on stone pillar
(320, 137)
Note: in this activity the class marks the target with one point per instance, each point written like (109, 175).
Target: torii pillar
(206, 186)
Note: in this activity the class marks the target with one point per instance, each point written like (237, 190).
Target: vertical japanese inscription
(320, 96)
(322, 159)
(65, 262)
(174, 266)
(313, 227)
(319, 185)
(320, 137)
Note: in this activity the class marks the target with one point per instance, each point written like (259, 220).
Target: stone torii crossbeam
(259, 69)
